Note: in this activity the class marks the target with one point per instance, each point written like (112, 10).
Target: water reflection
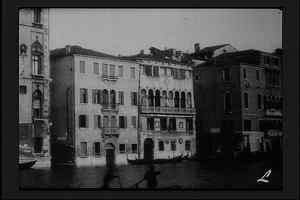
(181, 175)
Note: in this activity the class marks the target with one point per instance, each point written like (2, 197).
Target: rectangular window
(134, 148)
(105, 122)
(259, 101)
(97, 149)
(161, 146)
(155, 71)
(247, 125)
(182, 74)
(104, 69)
(132, 72)
(133, 121)
(22, 89)
(83, 121)
(150, 123)
(189, 124)
(226, 74)
(37, 15)
(227, 102)
(257, 75)
(97, 121)
(122, 122)
(134, 98)
(172, 124)
(246, 105)
(187, 145)
(173, 145)
(96, 68)
(120, 71)
(163, 123)
(165, 71)
(82, 67)
(148, 70)
(121, 97)
(244, 73)
(96, 96)
(83, 95)
(112, 69)
(83, 149)
(122, 148)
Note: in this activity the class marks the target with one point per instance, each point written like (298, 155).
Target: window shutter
(125, 121)
(87, 121)
(101, 97)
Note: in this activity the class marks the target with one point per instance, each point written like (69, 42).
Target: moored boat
(26, 158)
(155, 161)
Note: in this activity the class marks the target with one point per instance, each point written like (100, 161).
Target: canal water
(185, 175)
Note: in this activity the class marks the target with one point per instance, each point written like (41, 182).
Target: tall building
(94, 104)
(167, 113)
(239, 103)
(34, 79)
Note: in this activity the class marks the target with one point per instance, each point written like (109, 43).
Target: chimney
(68, 49)
(197, 48)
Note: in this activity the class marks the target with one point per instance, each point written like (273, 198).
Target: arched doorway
(110, 155)
(148, 149)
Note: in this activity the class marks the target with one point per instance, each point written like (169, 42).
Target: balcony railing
(110, 108)
(169, 132)
(173, 110)
(113, 131)
(109, 78)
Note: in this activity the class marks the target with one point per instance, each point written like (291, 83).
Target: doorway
(38, 144)
(148, 149)
(110, 155)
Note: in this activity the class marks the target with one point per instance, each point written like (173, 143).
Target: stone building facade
(232, 101)
(167, 113)
(34, 79)
(94, 104)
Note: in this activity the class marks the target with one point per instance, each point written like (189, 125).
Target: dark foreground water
(185, 175)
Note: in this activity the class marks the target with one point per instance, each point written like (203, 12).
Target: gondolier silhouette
(150, 177)
(109, 176)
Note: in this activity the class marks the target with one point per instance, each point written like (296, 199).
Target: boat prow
(26, 164)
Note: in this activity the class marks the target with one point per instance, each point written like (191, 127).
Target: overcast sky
(127, 31)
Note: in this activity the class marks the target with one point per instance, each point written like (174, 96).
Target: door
(148, 149)
(38, 144)
(110, 156)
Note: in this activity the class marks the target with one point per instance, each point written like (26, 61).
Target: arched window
(105, 97)
(144, 97)
(189, 100)
(157, 98)
(150, 98)
(170, 97)
(113, 98)
(37, 54)
(176, 100)
(164, 99)
(182, 100)
(37, 104)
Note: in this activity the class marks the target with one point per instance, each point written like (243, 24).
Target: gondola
(26, 157)
(155, 161)
(26, 164)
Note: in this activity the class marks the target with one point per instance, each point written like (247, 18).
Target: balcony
(109, 78)
(168, 110)
(110, 131)
(111, 108)
(273, 113)
(168, 132)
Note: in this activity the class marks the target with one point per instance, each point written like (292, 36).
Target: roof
(250, 56)
(154, 58)
(75, 49)
(213, 48)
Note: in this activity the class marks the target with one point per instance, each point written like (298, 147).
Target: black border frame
(9, 100)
